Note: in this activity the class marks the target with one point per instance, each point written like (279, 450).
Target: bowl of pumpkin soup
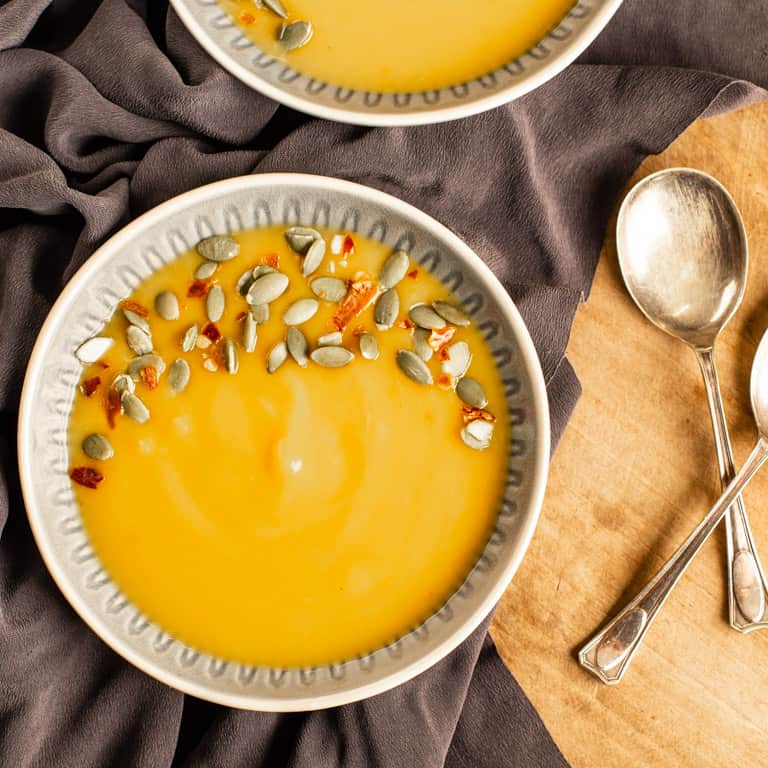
(283, 442)
(394, 63)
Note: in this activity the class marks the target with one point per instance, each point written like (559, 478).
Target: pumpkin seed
(330, 339)
(276, 7)
(139, 342)
(413, 366)
(314, 257)
(189, 338)
(135, 319)
(97, 447)
(277, 356)
(267, 288)
(262, 269)
(230, 356)
(459, 358)
(386, 310)
(331, 357)
(471, 392)
(394, 269)
(249, 333)
(300, 311)
(178, 375)
(139, 363)
(167, 305)
(218, 248)
(425, 317)
(244, 282)
(477, 434)
(300, 238)
(421, 344)
(451, 313)
(293, 36)
(123, 383)
(329, 288)
(260, 313)
(214, 303)
(134, 408)
(369, 347)
(94, 349)
(297, 345)
(206, 270)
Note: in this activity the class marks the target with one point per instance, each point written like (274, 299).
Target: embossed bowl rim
(540, 73)
(527, 360)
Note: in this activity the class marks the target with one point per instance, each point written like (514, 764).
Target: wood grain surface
(633, 474)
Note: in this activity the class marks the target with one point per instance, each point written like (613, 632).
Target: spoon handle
(610, 651)
(747, 588)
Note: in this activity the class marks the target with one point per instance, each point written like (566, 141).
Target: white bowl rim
(539, 472)
(575, 47)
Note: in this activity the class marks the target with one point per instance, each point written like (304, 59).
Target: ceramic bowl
(84, 307)
(222, 38)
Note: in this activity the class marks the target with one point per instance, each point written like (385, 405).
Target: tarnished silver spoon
(610, 651)
(683, 253)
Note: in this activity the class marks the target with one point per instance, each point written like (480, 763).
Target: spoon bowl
(682, 250)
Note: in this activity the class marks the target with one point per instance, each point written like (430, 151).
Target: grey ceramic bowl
(221, 37)
(87, 303)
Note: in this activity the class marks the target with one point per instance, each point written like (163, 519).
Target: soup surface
(400, 46)
(294, 518)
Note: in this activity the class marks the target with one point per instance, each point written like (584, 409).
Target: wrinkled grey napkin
(108, 108)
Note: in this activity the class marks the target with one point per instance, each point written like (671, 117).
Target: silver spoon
(610, 651)
(683, 253)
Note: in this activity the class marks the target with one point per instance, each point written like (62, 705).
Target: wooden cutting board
(633, 474)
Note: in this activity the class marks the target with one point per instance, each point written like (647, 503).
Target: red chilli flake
(273, 260)
(348, 247)
(241, 316)
(198, 288)
(473, 414)
(148, 375)
(406, 323)
(443, 354)
(210, 331)
(247, 18)
(88, 477)
(444, 381)
(360, 295)
(413, 274)
(113, 406)
(439, 337)
(135, 307)
(89, 386)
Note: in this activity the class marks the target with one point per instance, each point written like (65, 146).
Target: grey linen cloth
(108, 108)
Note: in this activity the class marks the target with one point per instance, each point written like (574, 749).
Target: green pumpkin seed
(135, 319)
(205, 270)
(244, 282)
(369, 347)
(139, 342)
(139, 363)
(300, 311)
(276, 7)
(300, 238)
(386, 310)
(134, 408)
(178, 375)
(426, 317)
(471, 392)
(413, 366)
(297, 345)
(330, 339)
(459, 359)
(277, 356)
(477, 434)
(94, 349)
(394, 270)
(249, 333)
(123, 383)
(214, 303)
(451, 313)
(295, 35)
(332, 289)
(331, 357)
(421, 344)
(267, 288)
(189, 338)
(260, 313)
(314, 257)
(230, 356)
(218, 248)
(97, 447)
(167, 305)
